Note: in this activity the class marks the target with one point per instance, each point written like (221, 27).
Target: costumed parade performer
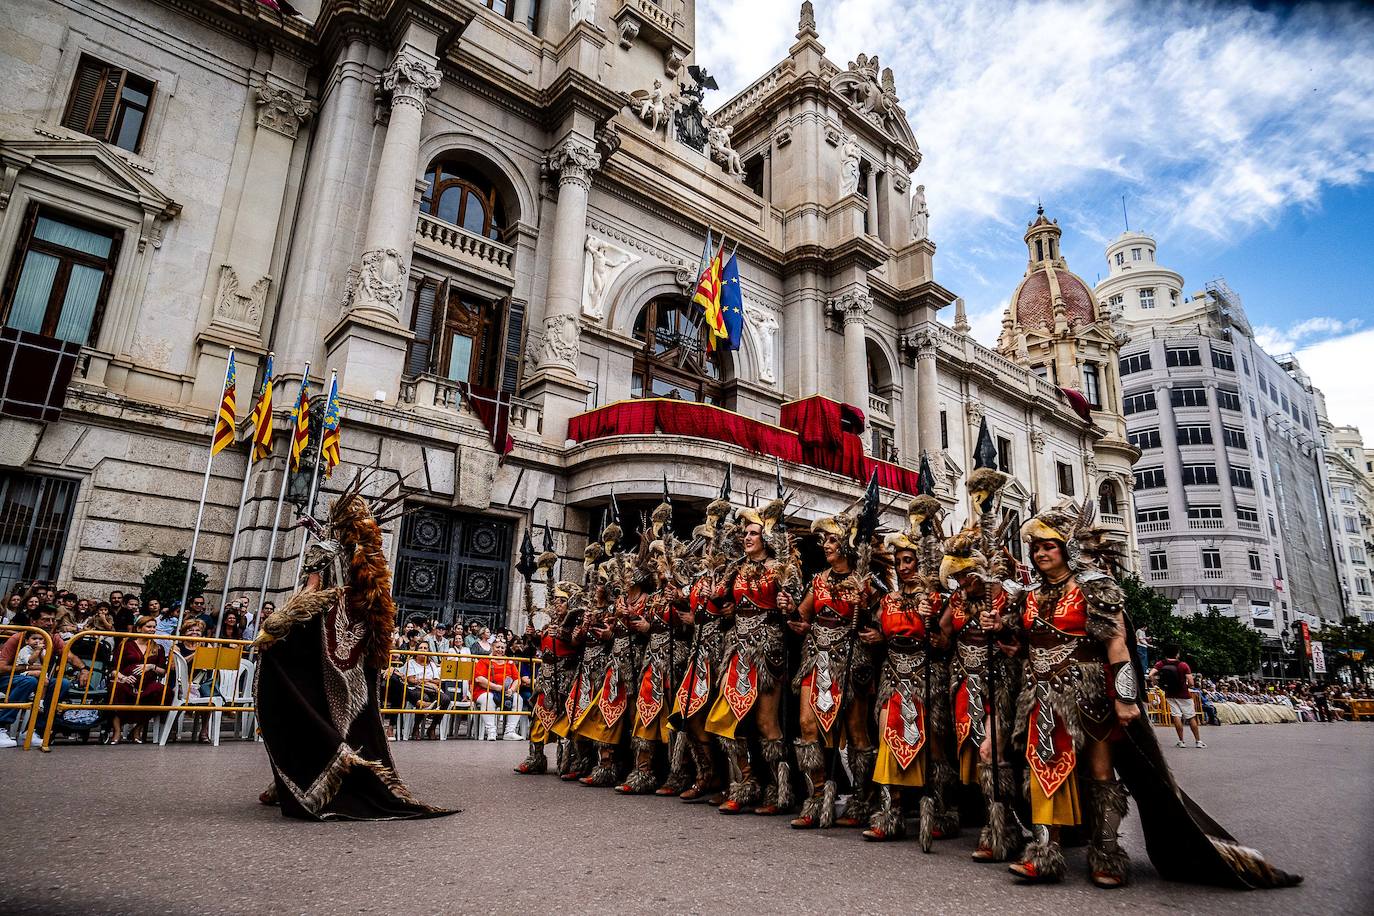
(754, 669)
(557, 657)
(586, 607)
(984, 673)
(1082, 721)
(835, 679)
(912, 706)
(318, 676)
(704, 614)
(664, 654)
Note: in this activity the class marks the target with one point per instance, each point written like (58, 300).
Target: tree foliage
(1210, 642)
(1350, 642)
(164, 581)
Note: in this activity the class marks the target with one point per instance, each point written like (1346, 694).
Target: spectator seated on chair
(202, 679)
(140, 680)
(425, 691)
(20, 682)
(496, 685)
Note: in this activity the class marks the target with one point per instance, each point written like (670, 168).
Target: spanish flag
(262, 416)
(300, 422)
(708, 297)
(330, 445)
(224, 424)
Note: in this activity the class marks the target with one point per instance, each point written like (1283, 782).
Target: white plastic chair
(233, 687)
(181, 698)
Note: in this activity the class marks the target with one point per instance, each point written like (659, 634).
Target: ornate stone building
(1231, 495)
(1350, 469)
(481, 214)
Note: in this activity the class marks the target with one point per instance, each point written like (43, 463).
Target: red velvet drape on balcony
(839, 452)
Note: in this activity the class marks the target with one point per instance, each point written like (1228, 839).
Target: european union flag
(732, 303)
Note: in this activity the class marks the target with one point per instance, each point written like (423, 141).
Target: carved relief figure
(719, 139)
(653, 106)
(920, 216)
(605, 262)
(765, 325)
(849, 165)
(582, 11)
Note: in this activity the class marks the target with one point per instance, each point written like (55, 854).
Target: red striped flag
(224, 423)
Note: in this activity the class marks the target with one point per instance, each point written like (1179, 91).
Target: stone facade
(289, 193)
(1350, 469)
(1231, 496)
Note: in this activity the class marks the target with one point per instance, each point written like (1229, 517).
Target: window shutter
(438, 350)
(85, 89)
(515, 329)
(422, 323)
(102, 118)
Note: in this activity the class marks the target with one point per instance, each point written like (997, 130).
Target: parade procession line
(143, 830)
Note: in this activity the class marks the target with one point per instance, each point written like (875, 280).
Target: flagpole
(204, 492)
(314, 482)
(234, 543)
(276, 518)
(703, 265)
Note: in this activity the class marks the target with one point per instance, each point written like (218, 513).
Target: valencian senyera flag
(224, 423)
(708, 297)
(262, 416)
(732, 303)
(300, 423)
(330, 444)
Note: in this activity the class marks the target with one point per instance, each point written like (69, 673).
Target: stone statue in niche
(582, 11)
(721, 151)
(920, 216)
(765, 325)
(849, 165)
(605, 262)
(653, 106)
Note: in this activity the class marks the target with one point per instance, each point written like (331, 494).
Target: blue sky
(1242, 137)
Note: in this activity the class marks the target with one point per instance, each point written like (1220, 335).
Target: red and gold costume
(754, 665)
(553, 680)
(912, 707)
(698, 687)
(664, 654)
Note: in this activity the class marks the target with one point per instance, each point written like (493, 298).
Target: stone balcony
(1112, 521)
(1205, 524)
(1152, 527)
(879, 407)
(468, 249)
(435, 393)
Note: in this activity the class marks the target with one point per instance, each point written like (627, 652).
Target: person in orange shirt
(496, 686)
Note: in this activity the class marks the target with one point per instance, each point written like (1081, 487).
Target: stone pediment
(871, 93)
(88, 164)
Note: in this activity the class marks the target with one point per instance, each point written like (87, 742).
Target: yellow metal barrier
(454, 668)
(8, 631)
(1157, 708)
(140, 653)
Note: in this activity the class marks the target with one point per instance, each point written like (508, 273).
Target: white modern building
(1231, 496)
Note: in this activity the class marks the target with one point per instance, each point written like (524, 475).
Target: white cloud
(1213, 118)
(1307, 332)
(1339, 367)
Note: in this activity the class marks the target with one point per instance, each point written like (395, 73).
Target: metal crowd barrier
(219, 661)
(32, 705)
(458, 673)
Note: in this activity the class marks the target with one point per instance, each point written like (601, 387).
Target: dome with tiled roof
(1048, 280)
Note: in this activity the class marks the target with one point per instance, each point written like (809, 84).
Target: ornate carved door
(453, 565)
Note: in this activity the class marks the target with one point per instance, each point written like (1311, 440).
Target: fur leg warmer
(1045, 855)
(999, 836)
(887, 818)
(775, 755)
(1107, 806)
(744, 788)
(680, 760)
(811, 762)
(859, 808)
(535, 762)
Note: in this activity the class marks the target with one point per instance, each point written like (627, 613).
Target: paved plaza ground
(177, 830)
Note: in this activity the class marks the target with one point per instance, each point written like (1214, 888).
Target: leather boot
(707, 781)
(679, 765)
(535, 762)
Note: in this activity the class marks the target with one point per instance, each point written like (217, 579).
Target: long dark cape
(324, 772)
(1183, 842)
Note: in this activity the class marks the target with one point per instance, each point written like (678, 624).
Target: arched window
(1107, 499)
(463, 196)
(673, 361)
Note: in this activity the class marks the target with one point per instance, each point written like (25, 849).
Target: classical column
(928, 399)
(854, 307)
(574, 159)
(390, 234)
(1228, 495)
(1173, 463)
(368, 345)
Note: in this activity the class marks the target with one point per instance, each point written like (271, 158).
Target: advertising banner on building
(1318, 657)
